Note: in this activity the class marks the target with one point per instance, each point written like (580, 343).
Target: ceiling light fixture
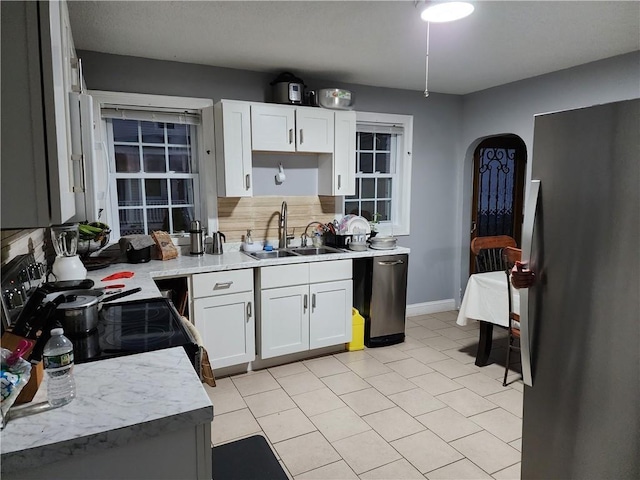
(446, 12)
(441, 12)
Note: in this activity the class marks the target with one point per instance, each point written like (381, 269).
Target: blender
(67, 265)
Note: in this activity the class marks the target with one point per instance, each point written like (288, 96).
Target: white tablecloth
(486, 299)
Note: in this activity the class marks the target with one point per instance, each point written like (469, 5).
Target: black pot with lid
(287, 88)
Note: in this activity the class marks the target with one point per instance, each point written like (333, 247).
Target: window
(383, 166)
(151, 172)
(155, 176)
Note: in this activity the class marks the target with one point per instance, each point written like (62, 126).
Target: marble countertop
(185, 265)
(118, 401)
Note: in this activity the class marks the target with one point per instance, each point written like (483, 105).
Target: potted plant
(374, 222)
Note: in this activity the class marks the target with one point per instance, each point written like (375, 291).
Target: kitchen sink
(293, 252)
(263, 255)
(315, 250)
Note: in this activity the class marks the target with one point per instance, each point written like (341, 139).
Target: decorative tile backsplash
(261, 215)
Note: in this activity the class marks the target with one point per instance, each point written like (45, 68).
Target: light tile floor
(417, 410)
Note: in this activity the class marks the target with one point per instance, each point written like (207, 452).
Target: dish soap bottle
(247, 239)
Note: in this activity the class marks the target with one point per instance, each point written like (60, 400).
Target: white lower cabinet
(223, 314)
(304, 306)
(330, 314)
(285, 320)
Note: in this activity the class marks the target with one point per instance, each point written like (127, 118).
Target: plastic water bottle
(58, 363)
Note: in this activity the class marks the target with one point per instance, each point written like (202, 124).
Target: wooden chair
(488, 252)
(488, 258)
(510, 256)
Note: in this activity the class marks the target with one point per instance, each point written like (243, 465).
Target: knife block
(10, 342)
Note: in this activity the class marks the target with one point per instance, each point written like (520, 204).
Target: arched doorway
(499, 168)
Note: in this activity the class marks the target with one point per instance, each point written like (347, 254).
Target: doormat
(247, 459)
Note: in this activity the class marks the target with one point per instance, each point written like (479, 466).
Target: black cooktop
(134, 327)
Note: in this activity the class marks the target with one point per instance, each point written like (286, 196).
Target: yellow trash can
(357, 336)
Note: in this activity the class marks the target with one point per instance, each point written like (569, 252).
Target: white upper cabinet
(273, 128)
(283, 128)
(233, 148)
(244, 127)
(37, 168)
(314, 129)
(336, 173)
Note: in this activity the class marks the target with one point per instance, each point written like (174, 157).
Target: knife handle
(126, 293)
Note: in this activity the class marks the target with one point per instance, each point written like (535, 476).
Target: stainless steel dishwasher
(380, 294)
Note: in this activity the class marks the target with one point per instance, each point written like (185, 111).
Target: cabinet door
(344, 156)
(273, 128)
(37, 188)
(314, 130)
(62, 81)
(233, 149)
(227, 326)
(330, 316)
(284, 321)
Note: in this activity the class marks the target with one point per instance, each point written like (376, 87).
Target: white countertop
(185, 265)
(118, 401)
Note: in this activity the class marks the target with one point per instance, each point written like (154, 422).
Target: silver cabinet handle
(391, 262)
(313, 300)
(305, 301)
(290, 135)
(339, 182)
(301, 137)
(249, 312)
(222, 285)
(527, 242)
(247, 181)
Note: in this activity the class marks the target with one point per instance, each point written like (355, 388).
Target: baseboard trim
(425, 308)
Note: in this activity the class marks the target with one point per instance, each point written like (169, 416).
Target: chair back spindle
(488, 252)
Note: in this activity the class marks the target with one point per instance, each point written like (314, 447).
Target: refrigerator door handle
(527, 242)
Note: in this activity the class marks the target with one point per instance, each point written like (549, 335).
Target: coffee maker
(67, 265)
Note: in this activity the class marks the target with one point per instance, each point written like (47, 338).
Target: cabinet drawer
(221, 283)
(284, 275)
(330, 271)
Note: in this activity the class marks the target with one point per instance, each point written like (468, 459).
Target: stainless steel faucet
(284, 237)
(305, 236)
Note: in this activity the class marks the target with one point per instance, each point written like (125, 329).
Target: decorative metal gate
(499, 169)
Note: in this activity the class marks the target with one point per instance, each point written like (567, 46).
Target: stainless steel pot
(79, 312)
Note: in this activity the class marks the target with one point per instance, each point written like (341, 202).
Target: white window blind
(141, 114)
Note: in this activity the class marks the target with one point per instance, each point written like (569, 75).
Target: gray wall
(511, 108)
(446, 130)
(437, 130)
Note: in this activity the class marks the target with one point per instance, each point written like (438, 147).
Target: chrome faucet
(284, 237)
(304, 237)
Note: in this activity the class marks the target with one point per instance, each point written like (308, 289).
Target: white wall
(511, 109)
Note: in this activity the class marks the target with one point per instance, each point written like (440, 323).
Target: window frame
(103, 166)
(401, 186)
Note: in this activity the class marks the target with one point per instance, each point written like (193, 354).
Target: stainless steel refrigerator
(581, 319)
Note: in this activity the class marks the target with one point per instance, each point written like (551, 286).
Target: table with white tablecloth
(486, 300)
